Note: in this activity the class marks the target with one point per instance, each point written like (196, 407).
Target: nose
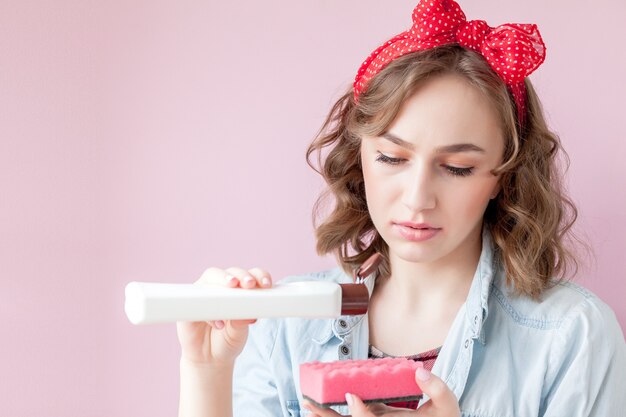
(419, 189)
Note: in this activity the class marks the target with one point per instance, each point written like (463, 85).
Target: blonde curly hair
(531, 218)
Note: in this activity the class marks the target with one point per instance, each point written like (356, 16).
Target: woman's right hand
(220, 342)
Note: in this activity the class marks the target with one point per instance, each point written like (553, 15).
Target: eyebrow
(456, 148)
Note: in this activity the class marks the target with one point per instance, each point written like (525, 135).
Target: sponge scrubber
(372, 380)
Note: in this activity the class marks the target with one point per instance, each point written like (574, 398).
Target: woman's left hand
(442, 403)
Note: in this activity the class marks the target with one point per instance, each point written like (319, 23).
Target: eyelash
(457, 172)
(388, 160)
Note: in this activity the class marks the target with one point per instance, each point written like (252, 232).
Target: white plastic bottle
(162, 303)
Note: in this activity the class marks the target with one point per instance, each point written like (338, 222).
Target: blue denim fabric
(504, 356)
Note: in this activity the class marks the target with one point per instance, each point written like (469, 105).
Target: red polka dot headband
(513, 50)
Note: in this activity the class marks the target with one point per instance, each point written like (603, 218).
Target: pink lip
(416, 232)
(416, 225)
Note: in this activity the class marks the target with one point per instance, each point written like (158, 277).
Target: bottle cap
(355, 299)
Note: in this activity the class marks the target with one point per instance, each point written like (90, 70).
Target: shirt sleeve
(255, 392)
(588, 368)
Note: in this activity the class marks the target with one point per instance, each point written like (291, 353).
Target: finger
(264, 279)
(220, 324)
(216, 276)
(320, 411)
(217, 324)
(246, 280)
(357, 406)
(235, 332)
(242, 323)
(442, 399)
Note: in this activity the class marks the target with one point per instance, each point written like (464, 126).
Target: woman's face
(428, 178)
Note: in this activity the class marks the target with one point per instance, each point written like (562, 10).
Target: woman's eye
(459, 172)
(389, 160)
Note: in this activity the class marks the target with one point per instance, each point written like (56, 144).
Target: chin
(410, 252)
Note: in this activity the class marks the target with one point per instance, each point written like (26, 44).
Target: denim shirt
(504, 355)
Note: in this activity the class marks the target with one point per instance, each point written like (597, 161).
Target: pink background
(148, 140)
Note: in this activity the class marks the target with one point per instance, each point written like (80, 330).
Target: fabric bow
(513, 50)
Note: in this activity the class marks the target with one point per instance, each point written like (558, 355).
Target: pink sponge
(372, 380)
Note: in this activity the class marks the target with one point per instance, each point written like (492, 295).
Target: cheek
(473, 199)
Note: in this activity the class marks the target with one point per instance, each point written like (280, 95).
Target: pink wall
(148, 140)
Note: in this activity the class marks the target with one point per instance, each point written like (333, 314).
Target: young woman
(440, 160)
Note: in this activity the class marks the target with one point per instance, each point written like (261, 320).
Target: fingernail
(422, 374)
(266, 281)
(349, 399)
(219, 324)
(232, 281)
(248, 279)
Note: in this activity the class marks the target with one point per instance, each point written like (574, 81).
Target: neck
(416, 289)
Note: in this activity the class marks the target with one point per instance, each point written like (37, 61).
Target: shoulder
(557, 308)
(568, 317)
(577, 304)
(570, 333)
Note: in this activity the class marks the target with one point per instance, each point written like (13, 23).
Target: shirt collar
(477, 306)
